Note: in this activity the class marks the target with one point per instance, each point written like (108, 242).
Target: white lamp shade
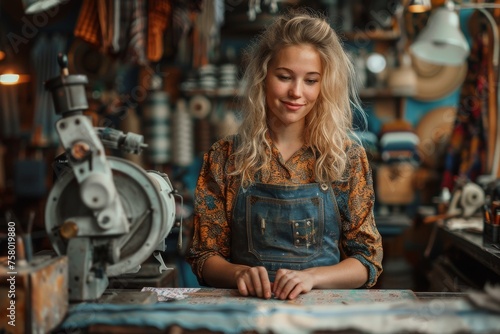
(442, 41)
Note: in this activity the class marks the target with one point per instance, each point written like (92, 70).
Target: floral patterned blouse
(216, 193)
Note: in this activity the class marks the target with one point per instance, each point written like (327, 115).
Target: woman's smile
(292, 106)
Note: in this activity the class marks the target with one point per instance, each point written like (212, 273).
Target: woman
(286, 205)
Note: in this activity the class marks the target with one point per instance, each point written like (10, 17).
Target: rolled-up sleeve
(211, 232)
(360, 238)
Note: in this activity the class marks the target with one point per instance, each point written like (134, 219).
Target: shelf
(473, 245)
(373, 93)
(365, 93)
(372, 35)
(217, 92)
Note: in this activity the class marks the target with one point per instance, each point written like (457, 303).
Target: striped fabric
(137, 41)
(466, 154)
(87, 25)
(159, 12)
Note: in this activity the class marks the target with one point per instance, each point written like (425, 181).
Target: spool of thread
(182, 135)
(472, 199)
(199, 106)
(157, 127)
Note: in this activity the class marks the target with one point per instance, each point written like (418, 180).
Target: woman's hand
(289, 284)
(253, 281)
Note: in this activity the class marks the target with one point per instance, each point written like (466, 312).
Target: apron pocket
(288, 230)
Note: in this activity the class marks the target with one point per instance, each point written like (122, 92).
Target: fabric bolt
(400, 156)
(136, 52)
(103, 17)
(125, 15)
(134, 27)
(399, 146)
(466, 154)
(116, 19)
(159, 12)
(100, 23)
(87, 25)
(218, 190)
(207, 32)
(397, 136)
(182, 135)
(444, 316)
(181, 24)
(157, 117)
(110, 23)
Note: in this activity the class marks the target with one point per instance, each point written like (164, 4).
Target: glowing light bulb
(9, 79)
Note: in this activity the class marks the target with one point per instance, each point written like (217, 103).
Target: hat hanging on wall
(437, 81)
(434, 131)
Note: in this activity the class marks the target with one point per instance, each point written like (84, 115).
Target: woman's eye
(284, 77)
(311, 82)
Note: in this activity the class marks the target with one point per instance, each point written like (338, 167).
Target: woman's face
(293, 84)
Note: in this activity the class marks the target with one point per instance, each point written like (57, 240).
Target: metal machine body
(106, 214)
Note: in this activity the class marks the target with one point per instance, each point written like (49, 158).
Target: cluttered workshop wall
(170, 71)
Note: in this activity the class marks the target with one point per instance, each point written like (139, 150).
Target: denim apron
(285, 226)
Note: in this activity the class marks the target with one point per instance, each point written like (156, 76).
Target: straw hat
(434, 131)
(437, 81)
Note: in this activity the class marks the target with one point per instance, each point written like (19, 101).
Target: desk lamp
(442, 42)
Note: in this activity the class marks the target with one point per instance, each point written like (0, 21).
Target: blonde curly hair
(329, 125)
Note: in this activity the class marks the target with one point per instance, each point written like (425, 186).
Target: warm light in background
(419, 6)
(9, 79)
(2, 55)
(13, 79)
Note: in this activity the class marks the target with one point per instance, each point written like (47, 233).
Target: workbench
(209, 310)
(464, 262)
(472, 244)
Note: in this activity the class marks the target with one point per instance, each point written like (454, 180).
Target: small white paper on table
(167, 294)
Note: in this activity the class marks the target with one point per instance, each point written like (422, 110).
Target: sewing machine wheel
(148, 203)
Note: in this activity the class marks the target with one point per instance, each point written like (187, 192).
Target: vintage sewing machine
(105, 216)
